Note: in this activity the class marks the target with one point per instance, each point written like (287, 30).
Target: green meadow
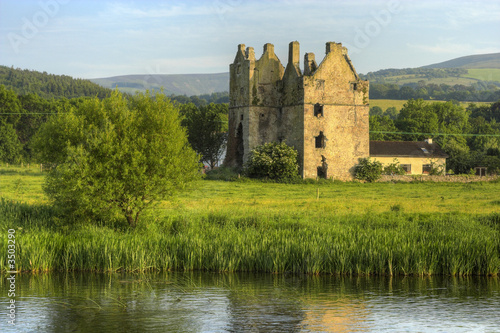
(484, 74)
(398, 104)
(350, 228)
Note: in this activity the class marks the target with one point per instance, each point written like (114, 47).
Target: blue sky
(90, 38)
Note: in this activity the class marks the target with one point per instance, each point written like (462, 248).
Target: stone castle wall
(325, 103)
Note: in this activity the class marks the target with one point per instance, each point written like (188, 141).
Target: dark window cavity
(318, 110)
(320, 140)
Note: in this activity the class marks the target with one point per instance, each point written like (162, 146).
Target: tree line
(477, 92)
(427, 73)
(24, 81)
(21, 116)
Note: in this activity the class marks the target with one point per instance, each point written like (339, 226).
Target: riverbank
(387, 244)
(335, 228)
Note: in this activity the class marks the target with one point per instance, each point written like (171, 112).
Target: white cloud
(157, 11)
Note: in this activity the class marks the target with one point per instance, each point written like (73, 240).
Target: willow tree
(116, 155)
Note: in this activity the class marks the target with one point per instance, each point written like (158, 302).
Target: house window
(406, 168)
(320, 140)
(426, 169)
(318, 110)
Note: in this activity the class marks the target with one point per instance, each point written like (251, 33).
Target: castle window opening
(354, 86)
(241, 117)
(320, 140)
(318, 110)
(322, 171)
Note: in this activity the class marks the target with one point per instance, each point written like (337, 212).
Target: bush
(223, 173)
(368, 170)
(436, 169)
(273, 160)
(394, 169)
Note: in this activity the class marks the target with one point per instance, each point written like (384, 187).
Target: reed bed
(229, 240)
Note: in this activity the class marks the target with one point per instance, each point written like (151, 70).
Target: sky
(100, 38)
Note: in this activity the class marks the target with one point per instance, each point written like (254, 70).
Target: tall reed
(252, 240)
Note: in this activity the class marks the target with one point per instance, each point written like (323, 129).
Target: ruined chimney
(309, 63)
(269, 48)
(250, 53)
(294, 53)
(241, 48)
(332, 46)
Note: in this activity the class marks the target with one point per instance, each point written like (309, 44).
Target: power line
(375, 132)
(435, 134)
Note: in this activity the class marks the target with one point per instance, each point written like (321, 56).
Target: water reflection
(207, 302)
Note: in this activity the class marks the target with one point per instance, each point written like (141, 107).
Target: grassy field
(398, 104)
(351, 228)
(484, 74)
(473, 75)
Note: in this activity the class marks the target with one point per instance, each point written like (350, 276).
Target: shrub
(436, 169)
(394, 168)
(273, 160)
(368, 170)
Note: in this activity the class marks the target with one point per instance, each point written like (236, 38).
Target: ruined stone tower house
(322, 110)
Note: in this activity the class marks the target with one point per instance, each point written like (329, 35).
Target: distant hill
(178, 84)
(24, 81)
(491, 60)
(466, 71)
(478, 72)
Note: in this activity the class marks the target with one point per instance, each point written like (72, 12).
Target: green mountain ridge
(178, 84)
(491, 60)
(469, 70)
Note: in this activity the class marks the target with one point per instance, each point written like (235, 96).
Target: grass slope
(491, 60)
(398, 104)
(484, 74)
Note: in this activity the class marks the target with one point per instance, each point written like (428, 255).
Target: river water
(245, 302)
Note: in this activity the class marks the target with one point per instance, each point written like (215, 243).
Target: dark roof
(406, 149)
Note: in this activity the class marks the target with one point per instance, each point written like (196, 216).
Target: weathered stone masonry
(322, 111)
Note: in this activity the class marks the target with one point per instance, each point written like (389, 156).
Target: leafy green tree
(479, 125)
(274, 161)
(10, 147)
(376, 111)
(460, 159)
(391, 112)
(417, 117)
(116, 156)
(368, 170)
(207, 130)
(10, 108)
(383, 124)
